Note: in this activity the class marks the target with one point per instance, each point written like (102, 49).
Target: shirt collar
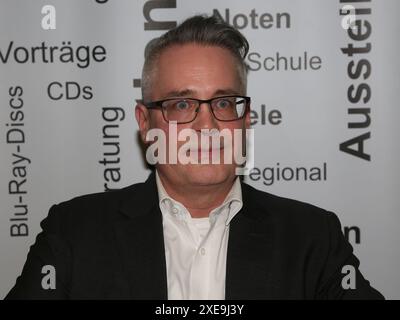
(233, 200)
(162, 194)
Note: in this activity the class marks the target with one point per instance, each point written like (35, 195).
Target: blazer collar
(141, 198)
(139, 235)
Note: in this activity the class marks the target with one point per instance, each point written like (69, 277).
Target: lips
(206, 150)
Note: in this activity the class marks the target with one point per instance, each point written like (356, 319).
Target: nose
(204, 119)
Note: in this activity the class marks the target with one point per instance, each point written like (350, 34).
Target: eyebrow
(190, 92)
(179, 93)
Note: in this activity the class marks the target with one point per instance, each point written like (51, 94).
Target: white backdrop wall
(315, 86)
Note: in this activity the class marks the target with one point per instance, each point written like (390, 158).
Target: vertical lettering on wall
(359, 68)
(152, 24)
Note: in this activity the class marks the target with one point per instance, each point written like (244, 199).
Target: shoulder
(90, 212)
(100, 200)
(291, 215)
(299, 226)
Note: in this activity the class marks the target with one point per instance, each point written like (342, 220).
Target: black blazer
(110, 246)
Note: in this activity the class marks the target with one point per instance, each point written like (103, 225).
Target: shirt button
(202, 251)
(174, 210)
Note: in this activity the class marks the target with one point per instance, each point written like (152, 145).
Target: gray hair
(201, 30)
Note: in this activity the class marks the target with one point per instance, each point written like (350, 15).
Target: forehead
(200, 68)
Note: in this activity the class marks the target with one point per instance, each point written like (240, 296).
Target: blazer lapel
(249, 252)
(139, 234)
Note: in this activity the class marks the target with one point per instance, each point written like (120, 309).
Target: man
(192, 230)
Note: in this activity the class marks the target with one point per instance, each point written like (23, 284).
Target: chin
(204, 174)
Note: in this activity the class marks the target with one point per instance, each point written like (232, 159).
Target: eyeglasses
(185, 110)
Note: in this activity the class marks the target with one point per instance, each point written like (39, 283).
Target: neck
(198, 199)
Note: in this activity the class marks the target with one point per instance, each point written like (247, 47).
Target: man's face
(194, 71)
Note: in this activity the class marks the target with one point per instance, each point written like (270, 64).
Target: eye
(182, 105)
(224, 103)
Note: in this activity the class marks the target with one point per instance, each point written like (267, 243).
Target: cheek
(157, 120)
(234, 125)
(172, 132)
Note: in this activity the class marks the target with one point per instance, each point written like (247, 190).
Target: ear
(142, 115)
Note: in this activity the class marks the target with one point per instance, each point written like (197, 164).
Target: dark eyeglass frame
(159, 105)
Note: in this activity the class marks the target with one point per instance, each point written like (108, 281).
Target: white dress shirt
(196, 248)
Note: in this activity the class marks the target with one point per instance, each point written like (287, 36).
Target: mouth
(209, 150)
